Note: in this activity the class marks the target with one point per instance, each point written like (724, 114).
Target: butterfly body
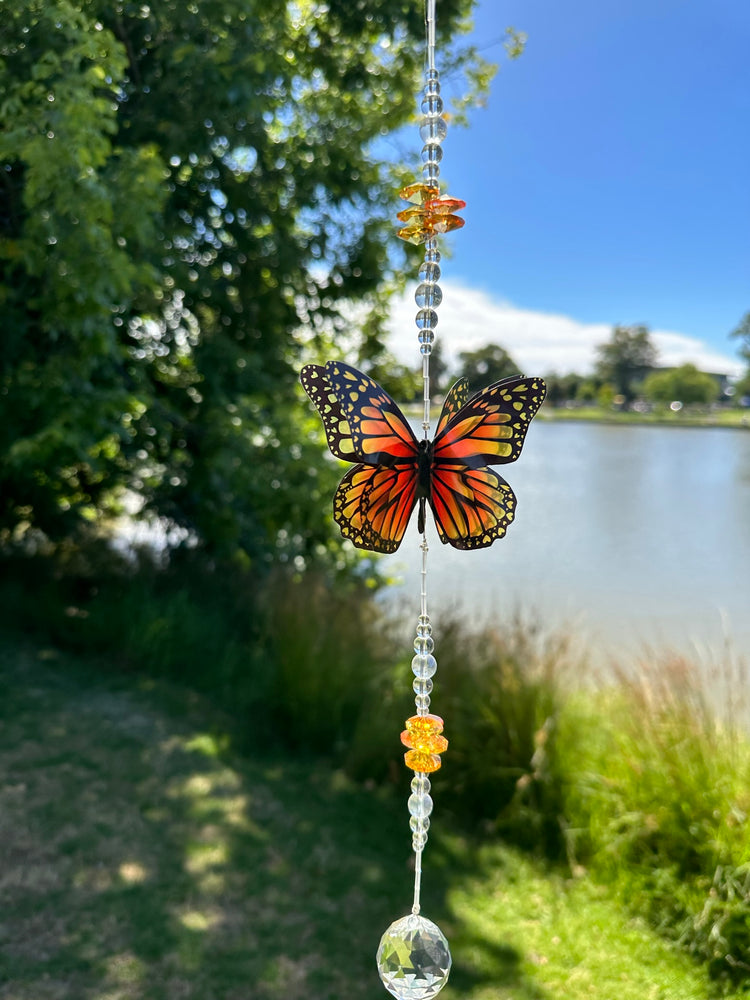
(472, 505)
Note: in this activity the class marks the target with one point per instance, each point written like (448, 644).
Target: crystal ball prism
(414, 960)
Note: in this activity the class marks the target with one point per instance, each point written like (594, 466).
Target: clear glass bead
(433, 130)
(432, 154)
(414, 960)
(429, 272)
(431, 174)
(432, 104)
(422, 701)
(428, 294)
(432, 86)
(426, 319)
(418, 841)
(425, 348)
(420, 805)
(422, 685)
(426, 336)
(420, 784)
(424, 665)
(424, 644)
(419, 824)
(431, 251)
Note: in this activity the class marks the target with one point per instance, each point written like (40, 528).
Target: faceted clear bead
(433, 130)
(422, 685)
(429, 272)
(420, 784)
(424, 644)
(432, 154)
(420, 805)
(414, 960)
(428, 294)
(422, 701)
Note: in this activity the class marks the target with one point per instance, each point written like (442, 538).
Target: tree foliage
(486, 365)
(188, 198)
(684, 384)
(625, 359)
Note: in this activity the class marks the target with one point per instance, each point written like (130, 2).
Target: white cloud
(538, 342)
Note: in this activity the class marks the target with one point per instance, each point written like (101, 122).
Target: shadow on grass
(141, 861)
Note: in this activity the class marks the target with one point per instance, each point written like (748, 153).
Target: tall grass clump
(656, 786)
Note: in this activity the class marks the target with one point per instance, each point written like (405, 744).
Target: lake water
(628, 535)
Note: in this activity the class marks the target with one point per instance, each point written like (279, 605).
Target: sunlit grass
(139, 863)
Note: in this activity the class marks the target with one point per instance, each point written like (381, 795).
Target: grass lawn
(141, 857)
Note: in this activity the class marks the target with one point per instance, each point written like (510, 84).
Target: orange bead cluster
(431, 213)
(422, 734)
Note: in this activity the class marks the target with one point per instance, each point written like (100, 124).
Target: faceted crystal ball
(413, 958)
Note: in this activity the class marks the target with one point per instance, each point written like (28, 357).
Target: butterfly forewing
(378, 428)
(490, 428)
(316, 384)
(457, 396)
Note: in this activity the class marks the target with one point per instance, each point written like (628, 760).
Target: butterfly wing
(457, 396)
(491, 427)
(472, 507)
(378, 428)
(373, 504)
(316, 384)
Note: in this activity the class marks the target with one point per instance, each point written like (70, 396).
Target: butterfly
(374, 501)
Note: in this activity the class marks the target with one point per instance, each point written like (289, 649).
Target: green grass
(739, 419)
(142, 857)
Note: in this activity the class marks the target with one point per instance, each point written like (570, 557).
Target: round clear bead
(422, 701)
(419, 824)
(424, 644)
(433, 130)
(420, 805)
(431, 251)
(422, 685)
(424, 665)
(432, 104)
(426, 337)
(418, 841)
(425, 349)
(429, 272)
(428, 294)
(432, 154)
(432, 85)
(426, 319)
(420, 784)
(431, 174)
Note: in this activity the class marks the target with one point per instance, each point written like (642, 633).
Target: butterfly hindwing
(373, 504)
(316, 384)
(472, 507)
(379, 430)
(490, 428)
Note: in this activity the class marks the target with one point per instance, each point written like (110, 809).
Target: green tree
(685, 384)
(626, 359)
(742, 331)
(486, 365)
(188, 201)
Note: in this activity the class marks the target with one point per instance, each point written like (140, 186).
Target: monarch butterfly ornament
(374, 502)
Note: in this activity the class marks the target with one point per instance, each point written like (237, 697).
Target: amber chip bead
(423, 763)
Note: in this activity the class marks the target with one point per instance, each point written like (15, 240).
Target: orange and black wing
(457, 396)
(373, 504)
(472, 507)
(316, 384)
(378, 428)
(491, 427)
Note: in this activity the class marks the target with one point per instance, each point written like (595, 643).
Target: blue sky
(607, 181)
